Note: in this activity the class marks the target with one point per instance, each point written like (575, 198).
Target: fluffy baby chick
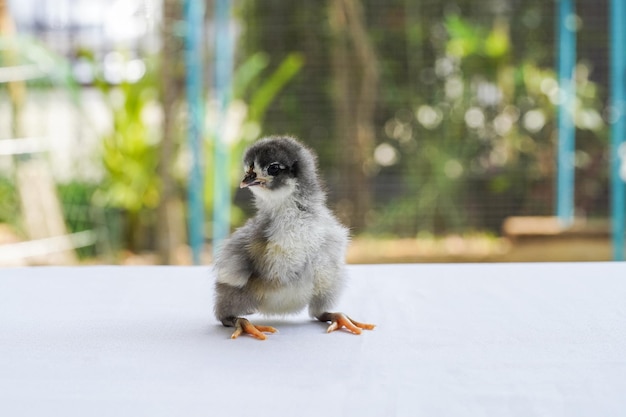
(290, 255)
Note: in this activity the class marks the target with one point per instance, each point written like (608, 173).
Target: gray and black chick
(290, 255)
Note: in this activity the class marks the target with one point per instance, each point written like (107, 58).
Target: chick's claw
(340, 320)
(244, 326)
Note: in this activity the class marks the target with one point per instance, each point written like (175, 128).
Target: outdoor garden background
(435, 123)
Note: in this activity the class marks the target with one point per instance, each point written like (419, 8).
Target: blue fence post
(223, 81)
(566, 130)
(194, 21)
(618, 126)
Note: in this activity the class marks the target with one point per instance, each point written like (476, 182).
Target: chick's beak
(251, 179)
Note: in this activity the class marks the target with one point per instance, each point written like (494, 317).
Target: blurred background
(447, 131)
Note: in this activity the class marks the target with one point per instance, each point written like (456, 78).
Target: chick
(290, 255)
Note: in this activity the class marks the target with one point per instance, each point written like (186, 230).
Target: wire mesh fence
(429, 118)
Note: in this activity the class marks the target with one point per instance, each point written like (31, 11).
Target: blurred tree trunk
(355, 83)
(170, 222)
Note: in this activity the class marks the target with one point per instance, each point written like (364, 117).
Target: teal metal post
(194, 19)
(566, 129)
(223, 81)
(618, 126)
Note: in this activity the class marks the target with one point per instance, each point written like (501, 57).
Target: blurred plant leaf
(465, 39)
(497, 43)
(247, 72)
(266, 93)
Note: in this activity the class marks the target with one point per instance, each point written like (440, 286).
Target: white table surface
(452, 340)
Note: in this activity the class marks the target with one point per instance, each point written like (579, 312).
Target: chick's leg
(244, 326)
(233, 302)
(340, 320)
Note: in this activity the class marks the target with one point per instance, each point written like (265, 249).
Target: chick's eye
(273, 169)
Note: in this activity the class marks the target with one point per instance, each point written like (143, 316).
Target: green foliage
(466, 39)
(78, 211)
(9, 203)
(76, 201)
(270, 88)
(484, 133)
(129, 150)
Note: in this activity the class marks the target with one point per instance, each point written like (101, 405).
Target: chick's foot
(340, 320)
(244, 326)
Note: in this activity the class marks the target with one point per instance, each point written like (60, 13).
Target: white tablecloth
(452, 340)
